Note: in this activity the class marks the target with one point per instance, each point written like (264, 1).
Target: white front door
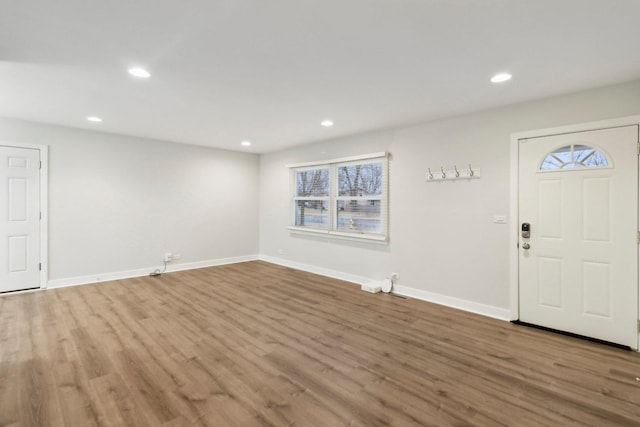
(19, 218)
(578, 270)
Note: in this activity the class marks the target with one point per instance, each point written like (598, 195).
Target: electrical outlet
(395, 277)
(168, 257)
(280, 251)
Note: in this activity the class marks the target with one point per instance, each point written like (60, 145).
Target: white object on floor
(370, 287)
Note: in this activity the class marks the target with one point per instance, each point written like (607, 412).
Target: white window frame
(333, 197)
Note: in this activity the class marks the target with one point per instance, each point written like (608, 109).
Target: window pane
(574, 156)
(551, 162)
(312, 183)
(359, 216)
(594, 159)
(360, 180)
(312, 214)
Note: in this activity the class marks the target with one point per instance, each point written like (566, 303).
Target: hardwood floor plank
(37, 395)
(92, 354)
(255, 344)
(118, 402)
(10, 412)
(144, 384)
(78, 403)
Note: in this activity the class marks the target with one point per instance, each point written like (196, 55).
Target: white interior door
(578, 270)
(19, 218)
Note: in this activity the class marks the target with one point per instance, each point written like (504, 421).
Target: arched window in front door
(574, 156)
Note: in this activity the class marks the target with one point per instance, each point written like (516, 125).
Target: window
(574, 156)
(343, 197)
(312, 198)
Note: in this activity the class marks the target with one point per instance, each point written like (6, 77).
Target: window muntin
(342, 198)
(574, 156)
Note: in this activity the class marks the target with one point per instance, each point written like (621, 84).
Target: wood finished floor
(256, 344)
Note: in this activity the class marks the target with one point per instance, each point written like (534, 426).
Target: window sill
(373, 238)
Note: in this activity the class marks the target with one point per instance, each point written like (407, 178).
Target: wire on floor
(157, 271)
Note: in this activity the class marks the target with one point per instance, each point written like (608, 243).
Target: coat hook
(457, 171)
(444, 175)
(470, 170)
(430, 174)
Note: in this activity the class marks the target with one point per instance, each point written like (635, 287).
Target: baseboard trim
(129, 274)
(460, 304)
(334, 274)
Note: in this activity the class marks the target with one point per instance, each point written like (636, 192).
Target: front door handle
(526, 246)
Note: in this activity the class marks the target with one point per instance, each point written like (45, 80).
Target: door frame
(514, 237)
(44, 206)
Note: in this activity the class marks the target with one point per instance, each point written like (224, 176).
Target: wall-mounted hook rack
(453, 174)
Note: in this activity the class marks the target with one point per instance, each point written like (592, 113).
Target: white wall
(117, 204)
(443, 241)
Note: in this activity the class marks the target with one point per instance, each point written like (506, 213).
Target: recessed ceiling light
(139, 72)
(246, 143)
(501, 77)
(94, 119)
(327, 123)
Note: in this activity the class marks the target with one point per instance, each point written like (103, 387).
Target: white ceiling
(270, 71)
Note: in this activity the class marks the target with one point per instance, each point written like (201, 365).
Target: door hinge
(639, 237)
(41, 160)
(41, 218)
(40, 266)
